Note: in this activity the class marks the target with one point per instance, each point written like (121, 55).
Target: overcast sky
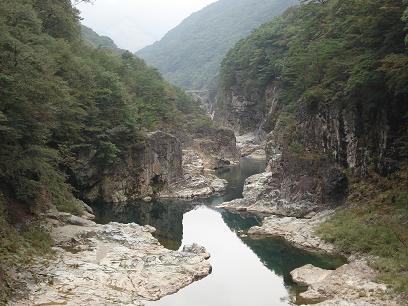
(134, 24)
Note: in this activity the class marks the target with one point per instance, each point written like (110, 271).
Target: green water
(246, 272)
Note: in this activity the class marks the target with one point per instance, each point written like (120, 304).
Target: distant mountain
(190, 54)
(96, 40)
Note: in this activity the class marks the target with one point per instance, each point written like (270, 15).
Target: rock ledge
(113, 264)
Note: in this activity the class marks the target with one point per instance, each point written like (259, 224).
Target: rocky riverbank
(115, 264)
(351, 284)
(298, 232)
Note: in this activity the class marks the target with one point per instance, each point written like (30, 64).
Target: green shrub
(375, 224)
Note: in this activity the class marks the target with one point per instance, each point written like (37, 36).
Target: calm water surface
(246, 272)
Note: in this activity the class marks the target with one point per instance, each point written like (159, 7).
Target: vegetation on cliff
(326, 53)
(327, 59)
(375, 223)
(96, 40)
(190, 54)
(61, 97)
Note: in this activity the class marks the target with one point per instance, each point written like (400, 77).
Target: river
(246, 272)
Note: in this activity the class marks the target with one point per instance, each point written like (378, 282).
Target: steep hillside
(327, 83)
(96, 40)
(73, 118)
(190, 54)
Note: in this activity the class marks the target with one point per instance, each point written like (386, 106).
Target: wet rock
(113, 264)
(147, 199)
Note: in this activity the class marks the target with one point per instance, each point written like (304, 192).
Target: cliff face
(324, 101)
(145, 170)
(309, 150)
(246, 112)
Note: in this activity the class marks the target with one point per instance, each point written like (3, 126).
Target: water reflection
(238, 277)
(245, 271)
(165, 216)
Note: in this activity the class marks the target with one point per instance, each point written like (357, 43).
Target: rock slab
(351, 284)
(113, 264)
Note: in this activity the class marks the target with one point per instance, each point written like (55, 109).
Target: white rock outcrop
(113, 264)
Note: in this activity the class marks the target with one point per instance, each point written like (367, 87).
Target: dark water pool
(246, 272)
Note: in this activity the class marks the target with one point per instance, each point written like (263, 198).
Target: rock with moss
(144, 171)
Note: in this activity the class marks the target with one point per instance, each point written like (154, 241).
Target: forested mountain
(328, 83)
(96, 40)
(190, 54)
(60, 99)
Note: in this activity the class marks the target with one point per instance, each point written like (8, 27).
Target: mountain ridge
(189, 55)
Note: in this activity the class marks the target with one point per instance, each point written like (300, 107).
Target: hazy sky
(134, 24)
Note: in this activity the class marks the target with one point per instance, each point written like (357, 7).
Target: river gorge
(243, 269)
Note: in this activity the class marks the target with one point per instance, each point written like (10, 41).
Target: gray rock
(217, 147)
(351, 284)
(263, 193)
(145, 170)
(197, 181)
(251, 145)
(196, 249)
(113, 264)
(298, 232)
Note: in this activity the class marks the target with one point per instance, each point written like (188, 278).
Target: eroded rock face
(197, 181)
(351, 284)
(113, 264)
(246, 112)
(217, 147)
(251, 145)
(264, 193)
(196, 249)
(298, 232)
(145, 170)
(295, 184)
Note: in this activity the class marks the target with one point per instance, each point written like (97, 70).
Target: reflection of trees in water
(278, 256)
(165, 216)
(237, 221)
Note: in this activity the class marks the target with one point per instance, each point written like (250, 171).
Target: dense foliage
(96, 40)
(190, 54)
(326, 53)
(60, 97)
(329, 56)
